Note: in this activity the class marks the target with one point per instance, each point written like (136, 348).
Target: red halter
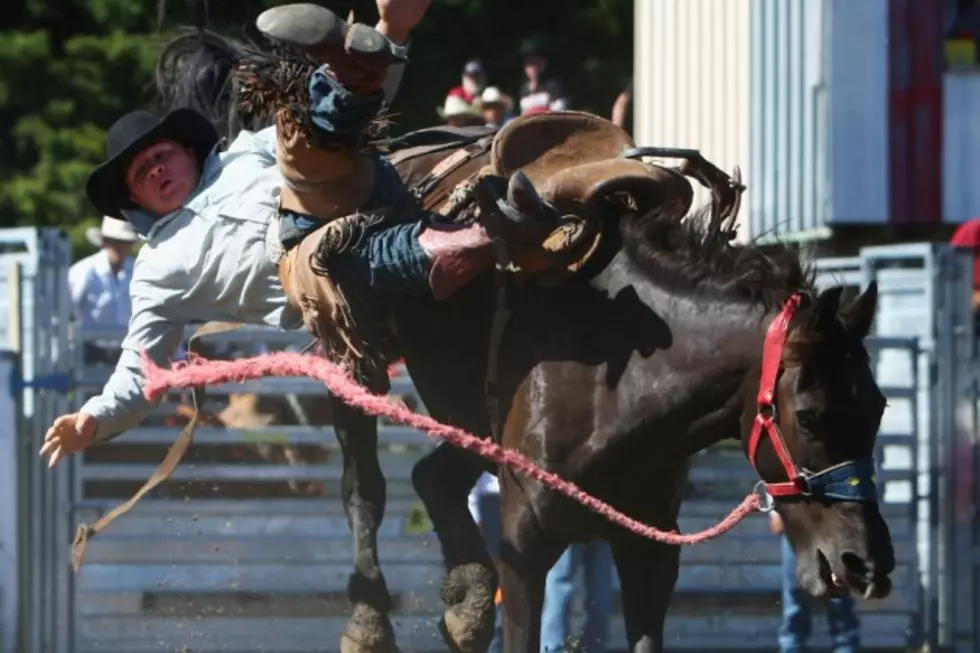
(765, 420)
(851, 480)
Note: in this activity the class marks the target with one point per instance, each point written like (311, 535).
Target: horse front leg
(363, 494)
(443, 480)
(526, 555)
(647, 575)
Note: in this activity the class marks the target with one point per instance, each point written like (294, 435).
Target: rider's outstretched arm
(122, 405)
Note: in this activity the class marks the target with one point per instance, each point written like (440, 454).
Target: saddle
(572, 160)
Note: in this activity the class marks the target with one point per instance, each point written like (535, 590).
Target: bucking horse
(643, 335)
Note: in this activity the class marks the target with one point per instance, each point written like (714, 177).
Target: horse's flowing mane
(697, 254)
(194, 72)
(240, 84)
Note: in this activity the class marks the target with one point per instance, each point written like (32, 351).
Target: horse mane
(239, 84)
(697, 254)
(194, 72)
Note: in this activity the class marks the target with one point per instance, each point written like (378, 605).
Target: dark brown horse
(612, 381)
(650, 353)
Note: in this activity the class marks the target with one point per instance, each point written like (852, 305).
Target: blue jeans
(595, 559)
(490, 525)
(845, 629)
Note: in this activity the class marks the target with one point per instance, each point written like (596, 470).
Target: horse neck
(714, 351)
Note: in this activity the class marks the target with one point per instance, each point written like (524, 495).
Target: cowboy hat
(492, 96)
(111, 229)
(133, 133)
(474, 68)
(456, 107)
(532, 47)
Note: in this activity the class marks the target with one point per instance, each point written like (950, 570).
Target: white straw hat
(456, 106)
(113, 229)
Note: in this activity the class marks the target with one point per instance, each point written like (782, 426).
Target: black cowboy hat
(532, 47)
(133, 133)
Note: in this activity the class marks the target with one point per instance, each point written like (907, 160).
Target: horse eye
(808, 420)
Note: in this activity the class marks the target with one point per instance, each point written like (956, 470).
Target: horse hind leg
(369, 629)
(443, 479)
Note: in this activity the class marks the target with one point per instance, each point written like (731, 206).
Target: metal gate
(34, 333)
(246, 549)
(925, 293)
(956, 369)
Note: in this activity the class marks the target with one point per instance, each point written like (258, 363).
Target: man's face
(534, 65)
(493, 114)
(117, 250)
(161, 177)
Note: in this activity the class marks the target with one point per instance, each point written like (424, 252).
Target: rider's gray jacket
(206, 261)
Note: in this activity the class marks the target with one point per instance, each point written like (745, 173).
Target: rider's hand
(396, 18)
(69, 434)
(775, 523)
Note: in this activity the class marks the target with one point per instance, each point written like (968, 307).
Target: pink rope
(202, 372)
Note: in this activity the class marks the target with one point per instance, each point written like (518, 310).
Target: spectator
(472, 82)
(457, 112)
(541, 91)
(495, 106)
(484, 502)
(99, 286)
(968, 235)
(794, 631)
(596, 562)
(621, 106)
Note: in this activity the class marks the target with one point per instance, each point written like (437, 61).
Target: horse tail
(194, 72)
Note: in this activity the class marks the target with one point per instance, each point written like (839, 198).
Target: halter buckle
(766, 501)
(767, 410)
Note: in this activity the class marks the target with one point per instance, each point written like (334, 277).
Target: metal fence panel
(34, 298)
(956, 364)
(10, 513)
(907, 286)
(242, 532)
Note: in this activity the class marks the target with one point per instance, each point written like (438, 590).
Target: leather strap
(450, 164)
(87, 531)
(501, 317)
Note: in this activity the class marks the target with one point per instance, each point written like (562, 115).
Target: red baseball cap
(968, 235)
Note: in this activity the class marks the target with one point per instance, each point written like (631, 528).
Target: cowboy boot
(455, 256)
(357, 54)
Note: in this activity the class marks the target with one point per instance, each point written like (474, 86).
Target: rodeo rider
(226, 232)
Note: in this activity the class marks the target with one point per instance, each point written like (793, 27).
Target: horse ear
(825, 310)
(859, 314)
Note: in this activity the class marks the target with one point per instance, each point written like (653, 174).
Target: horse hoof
(368, 631)
(463, 635)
